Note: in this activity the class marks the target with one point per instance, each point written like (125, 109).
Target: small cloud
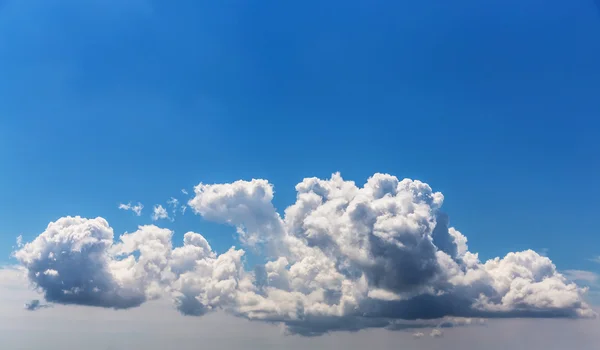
(20, 241)
(382, 294)
(35, 305)
(183, 190)
(581, 276)
(159, 212)
(436, 333)
(596, 259)
(418, 335)
(174, 204)
(137, 209)
(51, 272)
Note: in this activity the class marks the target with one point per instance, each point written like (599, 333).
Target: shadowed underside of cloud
(342, 257)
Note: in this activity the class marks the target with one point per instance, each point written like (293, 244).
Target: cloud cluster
(342, 257)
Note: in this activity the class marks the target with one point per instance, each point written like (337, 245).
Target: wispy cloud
(174, 202)
(436, 333)
(596, 259)
(159, 212)
(137, 209)
(176, 207)
(581, 275)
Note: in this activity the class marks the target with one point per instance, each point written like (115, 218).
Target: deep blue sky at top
(494, 103)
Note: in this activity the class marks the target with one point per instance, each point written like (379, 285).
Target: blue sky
(494, 104)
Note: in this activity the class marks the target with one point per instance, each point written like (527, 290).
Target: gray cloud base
(342, 257)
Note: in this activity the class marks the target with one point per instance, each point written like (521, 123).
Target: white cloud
(184, 191)
(137, 208)
(436, 333)
(174, 202)
(418, 335)
(596, 259)
(159, 212)
(243, 204)
(342, 257)
(77, 250)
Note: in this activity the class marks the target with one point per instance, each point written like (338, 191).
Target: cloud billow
(342, 257)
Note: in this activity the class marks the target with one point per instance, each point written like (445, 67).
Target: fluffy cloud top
(342, 257)
(71, 262)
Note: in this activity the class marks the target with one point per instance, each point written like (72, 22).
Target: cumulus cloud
(244, 204)
(75, 261)
(342, 257)
(137, 208)
(159, 212)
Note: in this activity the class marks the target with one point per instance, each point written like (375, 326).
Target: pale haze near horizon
(157, 325)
